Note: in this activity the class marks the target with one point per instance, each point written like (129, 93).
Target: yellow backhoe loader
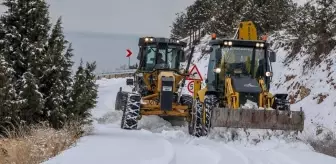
(156, 83)
(237, 88)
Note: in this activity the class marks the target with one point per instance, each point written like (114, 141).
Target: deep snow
(157, 142)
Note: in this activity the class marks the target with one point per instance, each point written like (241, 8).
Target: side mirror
(272, 56)
(218, 54)
(129, 82)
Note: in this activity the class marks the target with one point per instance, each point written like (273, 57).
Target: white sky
(144, 17)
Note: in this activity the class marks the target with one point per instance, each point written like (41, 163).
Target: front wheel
(195, 123)
(210, 101)
(131, 112)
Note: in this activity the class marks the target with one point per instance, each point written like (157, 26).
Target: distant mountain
(108, 50)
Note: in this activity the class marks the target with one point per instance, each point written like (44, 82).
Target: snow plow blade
(258, 119)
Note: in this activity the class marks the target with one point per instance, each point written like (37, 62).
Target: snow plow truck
(156, 84)
(237, 88)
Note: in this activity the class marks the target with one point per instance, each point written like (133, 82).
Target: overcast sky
(144, 17)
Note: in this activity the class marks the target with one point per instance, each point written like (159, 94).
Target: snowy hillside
(313, 88)
(157, 142)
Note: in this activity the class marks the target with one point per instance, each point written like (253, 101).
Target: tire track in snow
(224, 149)
(238, 153)
(210, 151)
(170, 155)
(188, 152)
(284, 157)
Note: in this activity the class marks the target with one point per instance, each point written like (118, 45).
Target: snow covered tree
(84, 93)
(53, 88)
(313, 28)
(10, 103)
(178, 29)
(324, 29)
(226, 16)
(77, 94)
(66, 76)
(91, 90)
(32, 107)
(36, 68)
(25, 32)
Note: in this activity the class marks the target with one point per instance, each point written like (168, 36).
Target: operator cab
(239, 58)
(160, 53)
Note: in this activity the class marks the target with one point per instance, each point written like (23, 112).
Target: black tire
(210, 101)
(187, 100)
(121, 100)
(131, 112)
(195, 124)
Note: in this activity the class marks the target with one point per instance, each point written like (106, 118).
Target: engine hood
(246, 84)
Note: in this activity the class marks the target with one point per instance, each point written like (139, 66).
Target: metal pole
(129, 62)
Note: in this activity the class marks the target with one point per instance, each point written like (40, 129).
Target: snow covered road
(159, 143)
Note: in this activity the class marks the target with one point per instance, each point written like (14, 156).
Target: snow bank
(313, 89)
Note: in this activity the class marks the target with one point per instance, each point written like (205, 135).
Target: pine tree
(25, 32)
(78, 93)
(91, 92)
(179, 30)
(23, 38)
(84, 93)
(54, 89)
(10, 103)
(32, 107)
(66, 76)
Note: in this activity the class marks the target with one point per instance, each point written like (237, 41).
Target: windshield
(162, 57)
(238, 60)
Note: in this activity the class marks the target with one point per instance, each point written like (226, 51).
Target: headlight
(140, 74)
(268, 74)
(228, 43)
(146, 39)
(151, 39)
(217, 70)
(259, 44)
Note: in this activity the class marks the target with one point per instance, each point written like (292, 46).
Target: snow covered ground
(157, 142)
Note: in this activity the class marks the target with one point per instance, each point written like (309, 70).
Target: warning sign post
(191, 86)
(194, 74)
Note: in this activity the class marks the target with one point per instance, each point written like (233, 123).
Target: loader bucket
(258, 119)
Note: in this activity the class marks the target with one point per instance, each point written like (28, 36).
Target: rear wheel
(210, 101)
(121, 100)
(131, 112)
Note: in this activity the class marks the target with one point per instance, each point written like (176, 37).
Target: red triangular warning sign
(194, 74)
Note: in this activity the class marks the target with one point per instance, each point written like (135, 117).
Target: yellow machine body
(151, 106)
(229, 113)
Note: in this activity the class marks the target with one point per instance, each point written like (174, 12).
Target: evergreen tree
(32, 107)
(25, 32)
(77, 94)
(53, 87)
(179, 30)
(10, 104)
(84, 93)
(66, 76)
(91, 94)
